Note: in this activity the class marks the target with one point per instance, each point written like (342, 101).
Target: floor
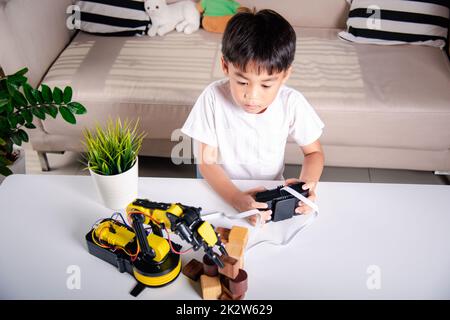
(70, 163)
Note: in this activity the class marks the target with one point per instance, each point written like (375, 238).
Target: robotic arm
(153, 260)
(185, 221)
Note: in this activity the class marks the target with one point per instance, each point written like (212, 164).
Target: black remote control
(281, 202)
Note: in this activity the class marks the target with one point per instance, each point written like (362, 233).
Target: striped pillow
(113, 17)
(398, 22)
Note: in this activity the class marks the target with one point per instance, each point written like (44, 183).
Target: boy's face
(252, 91)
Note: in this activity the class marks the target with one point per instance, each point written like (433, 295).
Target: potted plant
(112, 159)
(19, 104)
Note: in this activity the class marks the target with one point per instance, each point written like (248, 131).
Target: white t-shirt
(251, 146)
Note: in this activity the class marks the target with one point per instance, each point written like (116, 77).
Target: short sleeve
(305, 126)
(200, 124)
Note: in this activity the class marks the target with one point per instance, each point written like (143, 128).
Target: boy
(241, 123)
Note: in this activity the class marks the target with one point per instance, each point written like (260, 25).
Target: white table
(399, 234)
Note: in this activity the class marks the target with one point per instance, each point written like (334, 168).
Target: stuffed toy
(182, 16)
(217, 13)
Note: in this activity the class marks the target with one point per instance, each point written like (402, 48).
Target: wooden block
(193, 270)
(238, 235)
(241, 262)
(211, 287)
(227, 295)
(235, 250)
(209, 267)
(237, 286)
(231, 267)
(223, 233)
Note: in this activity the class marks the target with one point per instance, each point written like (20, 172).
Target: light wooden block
(211, 287)
(235, 250)
(241, 262)
(238, 235)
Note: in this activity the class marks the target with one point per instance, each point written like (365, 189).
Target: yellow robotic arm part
(156, 212)
(206, 231)
(185, 221)
(114, 234)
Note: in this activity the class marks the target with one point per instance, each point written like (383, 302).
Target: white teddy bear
(182, 16)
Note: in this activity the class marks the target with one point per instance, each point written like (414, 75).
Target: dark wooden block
(237, 286)
(230, 296)
(225, 296)
(193, 270)
(223, 233)
(231, 267)
(209, 267)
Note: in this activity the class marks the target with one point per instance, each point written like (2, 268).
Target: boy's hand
(244, 201)
(311, 185)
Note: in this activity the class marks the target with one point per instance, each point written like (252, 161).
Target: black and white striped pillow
(113, 17)
(398, 22)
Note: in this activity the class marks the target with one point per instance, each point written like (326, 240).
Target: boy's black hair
(264, 38)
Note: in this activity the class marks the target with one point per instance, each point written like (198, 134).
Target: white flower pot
(117, 191)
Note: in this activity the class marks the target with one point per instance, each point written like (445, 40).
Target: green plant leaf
(57, 95)
(12, 120)
(2, 142)
(19, 98)
(27, 115)
(18, 80)
(67, 95)
(9, 107)
(4, 125)
(77, 108)
(15, 137)
(52, 110)
(28, 90)
(47, 94)
(29, 125)
(23, 135)
(11, 87)
(38, 96)
(3, 102)
(21, 72)
(5, 171)
(67, 115)
(38, 112)
(20, 119)
(113, 149)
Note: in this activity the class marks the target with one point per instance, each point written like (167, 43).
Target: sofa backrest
(306, 13)
(32, 34)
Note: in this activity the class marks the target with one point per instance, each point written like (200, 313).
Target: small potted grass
(112, 159)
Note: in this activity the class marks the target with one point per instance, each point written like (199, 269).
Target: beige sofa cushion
(367, 95)
(32, 34)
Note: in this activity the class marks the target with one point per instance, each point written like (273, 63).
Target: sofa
(383, 106)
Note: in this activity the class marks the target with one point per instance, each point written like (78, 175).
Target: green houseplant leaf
(57, 95)
(67, 95)
(20, 103)
(47, 94)
(77, 108)
(113, 149)
(67, 115)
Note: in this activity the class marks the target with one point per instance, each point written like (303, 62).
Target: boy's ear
(224, 66)
(287, 74)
